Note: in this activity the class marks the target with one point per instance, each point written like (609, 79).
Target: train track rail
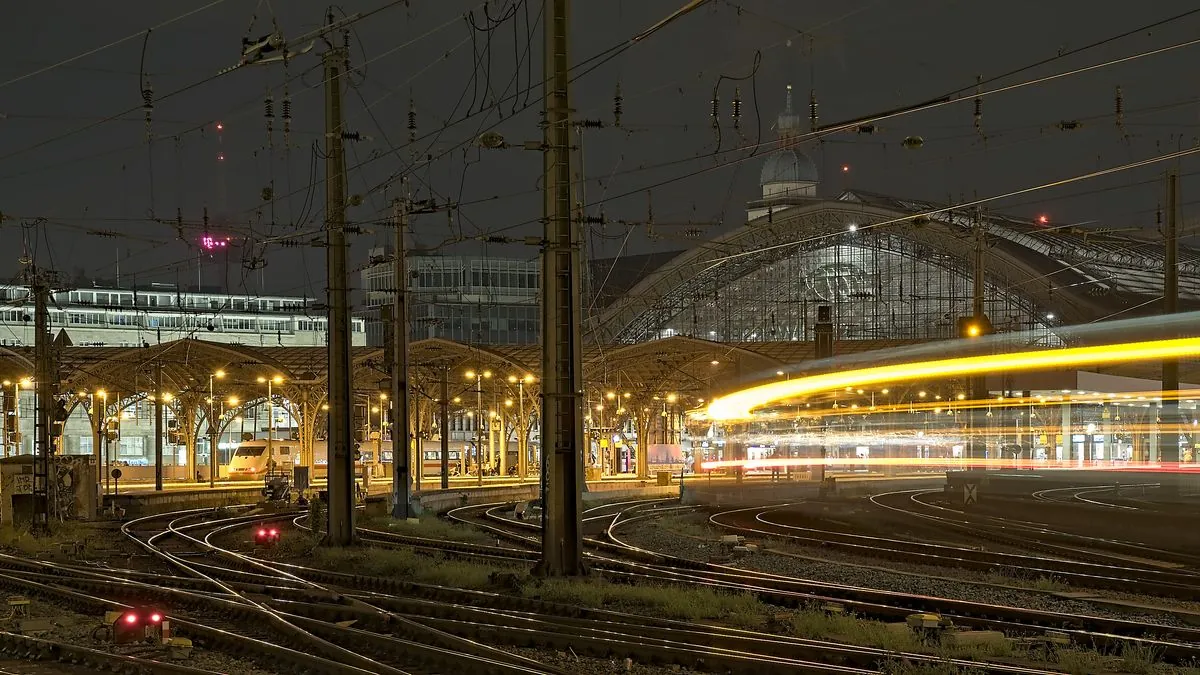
(769, 522)
(1177, 644)
(1033, 536)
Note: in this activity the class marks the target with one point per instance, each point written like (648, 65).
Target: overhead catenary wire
(114, 43)
(868, 119)
(168, 95)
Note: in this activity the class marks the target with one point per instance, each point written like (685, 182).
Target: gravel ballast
(840, 568)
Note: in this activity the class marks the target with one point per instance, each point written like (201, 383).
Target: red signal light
(274, 533)
(262, 533)
(1043, 219)
(155, 618)
(131, 619)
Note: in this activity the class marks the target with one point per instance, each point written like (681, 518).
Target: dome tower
(787, 174)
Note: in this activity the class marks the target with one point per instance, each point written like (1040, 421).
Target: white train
(253, 459)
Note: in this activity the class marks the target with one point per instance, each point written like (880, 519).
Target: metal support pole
(158, 428)
(401, 425)
(479, 426)
(522, 433)
(562, 344)
(213, 431)
(1169, 414)
(444, 424)
(46, 389)
(341, 436)
(976, 439)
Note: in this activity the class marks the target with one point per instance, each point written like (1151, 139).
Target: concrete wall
(145, 504)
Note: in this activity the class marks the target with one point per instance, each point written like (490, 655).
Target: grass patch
(395, 563)
(1029, 581)
(23, 541)
(672, 602)
(431, 527)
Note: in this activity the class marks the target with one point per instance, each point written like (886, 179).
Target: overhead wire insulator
(812, 109)
(617, 101)
(412, 121)
(287, 117)
(1120, 111)
(715, 112)
(978, 106)
(148, 106)
(269, 114)
(737, 108)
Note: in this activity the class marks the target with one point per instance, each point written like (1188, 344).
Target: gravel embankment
(583, 665)
(840, 568)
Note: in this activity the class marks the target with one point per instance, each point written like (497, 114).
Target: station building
(668, 332)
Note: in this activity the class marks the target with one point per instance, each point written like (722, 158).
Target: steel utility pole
(401, 481)
(977, 440)
(1168, 441)
(444, 425)
(340, 531)
(158, 428)
(562, 344)
(46, 390)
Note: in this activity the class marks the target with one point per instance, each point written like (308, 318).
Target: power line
(855, 123)
(114, 43)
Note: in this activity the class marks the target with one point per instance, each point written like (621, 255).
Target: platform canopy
(683, 366)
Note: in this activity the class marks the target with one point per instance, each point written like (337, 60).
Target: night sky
(68, 155)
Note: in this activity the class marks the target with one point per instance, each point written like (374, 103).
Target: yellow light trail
(740, 405)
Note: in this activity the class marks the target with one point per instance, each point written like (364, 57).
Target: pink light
(210, 243)
(131, 618)
(1043, 219)
(221, 157)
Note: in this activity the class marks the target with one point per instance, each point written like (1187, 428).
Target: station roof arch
(1080, 275)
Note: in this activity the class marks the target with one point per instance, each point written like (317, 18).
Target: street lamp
(479, 378)
(383, 408)
(522, 426)
(212, 430)
(278, 379)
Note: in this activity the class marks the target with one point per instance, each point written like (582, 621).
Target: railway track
(769, 522)
(1180, 645)
(1030, 535)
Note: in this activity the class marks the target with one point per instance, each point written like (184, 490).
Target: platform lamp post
(212, 429)
(16, 418)
(234, 402)
(479, 378)
(522, 426)
(23, 383)
(270, 381)
(101, 450)
(383, 425)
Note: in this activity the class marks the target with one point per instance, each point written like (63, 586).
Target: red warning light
(262, 533)
(155, 618)
(220, 157)
(131, 619)
(845, 168)
(220, 126)
(274, 533)
(1043, 219)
